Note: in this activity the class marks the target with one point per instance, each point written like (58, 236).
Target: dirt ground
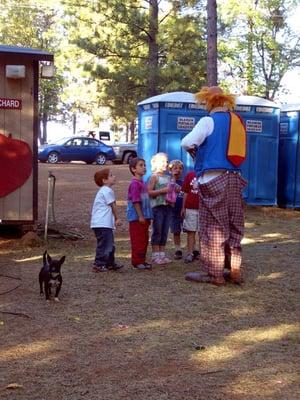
(147, 335)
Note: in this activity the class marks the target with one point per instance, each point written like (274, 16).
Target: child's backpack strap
(236, 150)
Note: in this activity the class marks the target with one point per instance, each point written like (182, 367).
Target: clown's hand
(192, 151)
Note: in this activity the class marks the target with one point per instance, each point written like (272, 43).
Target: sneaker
(149, 264)
(166, 260)
(115, 267)
(154, 260)
(158, 261)
(178, 255)
(99, 268)
(142, 266)
(189, 258)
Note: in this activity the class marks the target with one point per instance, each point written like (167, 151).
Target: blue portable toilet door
(261, 118)
(177, 114)
(148, 135)
(265, 150)
(171, 145)
(297, 179)
(170, 136)
(289, 161)
(174, 125)
(259, 168)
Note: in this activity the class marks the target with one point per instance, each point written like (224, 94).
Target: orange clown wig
(215, 97)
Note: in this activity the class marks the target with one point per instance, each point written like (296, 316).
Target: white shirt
(201, 130)
(196, 137)
(102, 215)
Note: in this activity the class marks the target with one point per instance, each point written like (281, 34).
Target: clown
(218, 144)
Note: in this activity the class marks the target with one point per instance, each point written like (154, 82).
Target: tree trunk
(250, 67)
(212, 70)
(43, 132)
(153, 49)
(132, 125)
(74, 123)
(127, 133)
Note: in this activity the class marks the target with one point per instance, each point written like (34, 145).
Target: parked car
(124, 152)
(76, 148)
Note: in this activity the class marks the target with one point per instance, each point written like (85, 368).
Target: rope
(15, 313)
(48, 232)
(11, 290)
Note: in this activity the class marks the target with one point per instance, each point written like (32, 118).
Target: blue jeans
(161, 225)
(176, 222)
(105, 250)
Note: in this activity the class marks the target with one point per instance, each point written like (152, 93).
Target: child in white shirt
(104, 218)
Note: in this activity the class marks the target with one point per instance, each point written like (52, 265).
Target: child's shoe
(189, 258)
(142, 266)
(196, 255)
(160, 261)
(154, 258)
(115, 267)
(165, 260)
(99, 268)
(178, 255)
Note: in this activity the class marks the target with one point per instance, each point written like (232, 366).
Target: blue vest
(212, 153)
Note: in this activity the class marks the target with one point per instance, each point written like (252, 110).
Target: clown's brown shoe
(236, 276)
(233, 276)
(204, 278)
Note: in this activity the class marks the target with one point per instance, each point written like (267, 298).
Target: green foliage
(23, 23)
(183, 54)
(258, 46)
(111, 54)
(115, 38)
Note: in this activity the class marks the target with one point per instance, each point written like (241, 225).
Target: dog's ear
(49, 259)
(44, 257)
(62, 260)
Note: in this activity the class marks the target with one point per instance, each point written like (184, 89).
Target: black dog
(50, 275)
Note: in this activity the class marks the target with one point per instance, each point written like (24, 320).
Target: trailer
(20, 70)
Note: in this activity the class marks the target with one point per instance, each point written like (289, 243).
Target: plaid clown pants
(221, 217)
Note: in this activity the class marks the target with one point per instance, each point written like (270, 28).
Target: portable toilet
(289, 156)
(261, 118)
(165, 119)
(19, 124)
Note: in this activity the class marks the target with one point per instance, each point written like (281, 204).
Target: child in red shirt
(190, 214)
